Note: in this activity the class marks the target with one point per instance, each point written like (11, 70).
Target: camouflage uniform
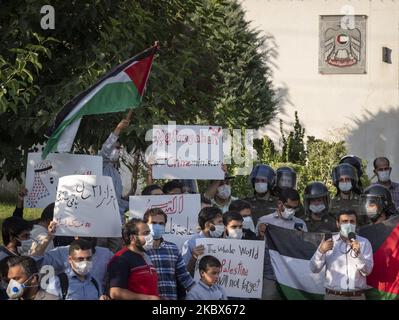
(261, 207)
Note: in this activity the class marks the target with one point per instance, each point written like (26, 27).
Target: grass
(7, 208)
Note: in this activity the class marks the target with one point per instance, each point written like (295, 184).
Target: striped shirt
(170, 268)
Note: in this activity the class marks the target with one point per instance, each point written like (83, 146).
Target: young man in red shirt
(131, 274)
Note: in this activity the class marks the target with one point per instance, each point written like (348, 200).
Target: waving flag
(120, 89)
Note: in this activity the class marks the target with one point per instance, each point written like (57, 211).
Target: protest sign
(42, 175)
(242, 265)
(187, 152)
(87, 206)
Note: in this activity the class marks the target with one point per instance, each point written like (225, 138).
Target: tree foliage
(211, 68)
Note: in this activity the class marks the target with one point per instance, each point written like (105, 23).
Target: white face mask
(114, 156)
(83, 267)
(248, 223)
(224, 191)
(384, 176)
(234, 234)
(148, 242)
(317, 208)
(345, 186)
(346, 228)
(261, 187)
(25, 247)
(288, 214)
(217, 233)
(16, 290)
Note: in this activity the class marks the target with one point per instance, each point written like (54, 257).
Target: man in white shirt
(347, 258)
(287, 205)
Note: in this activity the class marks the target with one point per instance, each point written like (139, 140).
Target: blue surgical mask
(157, 230)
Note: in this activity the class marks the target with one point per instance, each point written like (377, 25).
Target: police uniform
(326, 224)
(261, 207)
(337, 204)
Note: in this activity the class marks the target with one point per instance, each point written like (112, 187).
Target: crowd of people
(141, 265)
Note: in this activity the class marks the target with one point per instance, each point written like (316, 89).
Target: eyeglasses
(81, 259)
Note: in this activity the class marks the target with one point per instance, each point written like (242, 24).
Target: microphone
(352, 237)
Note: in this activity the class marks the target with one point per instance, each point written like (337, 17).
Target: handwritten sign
(42, 175)
(242, 265)
(87, 206)
(181, 209)
(187, 152)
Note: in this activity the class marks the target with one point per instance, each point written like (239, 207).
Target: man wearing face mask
(283, 217)
(262, 179)
(234, 229)
(16, 237)
(211, 223)
(376, 204)
(24, 280)
(219, 192)
(382, 169)
(345, 180)
(244, 209)
(58, 259)
(131, 274)
(316, 204)
(286, 179)
(166, 257)
(77, 283)
(347, 258)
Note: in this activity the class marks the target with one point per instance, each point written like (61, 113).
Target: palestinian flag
(291, 250)
(384, 279)
(120, 89)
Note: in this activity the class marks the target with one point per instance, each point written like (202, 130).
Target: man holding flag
(120, 89)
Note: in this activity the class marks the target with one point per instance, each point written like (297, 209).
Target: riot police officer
(376, 204)
(286, 179)
(263, 202)
(316, 204)
(345, 180)
(357, 163)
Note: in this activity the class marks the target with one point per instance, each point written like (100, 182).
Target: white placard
(242, 265)
(187, 152)
(42, 175)
(182, 211)
(87, 206)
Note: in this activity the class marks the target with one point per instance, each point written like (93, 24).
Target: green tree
(293, 145)
(211, 69)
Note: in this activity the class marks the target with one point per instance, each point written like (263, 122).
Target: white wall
(363, 106)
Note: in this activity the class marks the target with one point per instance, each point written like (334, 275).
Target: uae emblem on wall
(342, 44)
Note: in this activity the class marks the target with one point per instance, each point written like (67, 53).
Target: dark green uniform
(261, 207)
(337, 204)
(326, 224)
